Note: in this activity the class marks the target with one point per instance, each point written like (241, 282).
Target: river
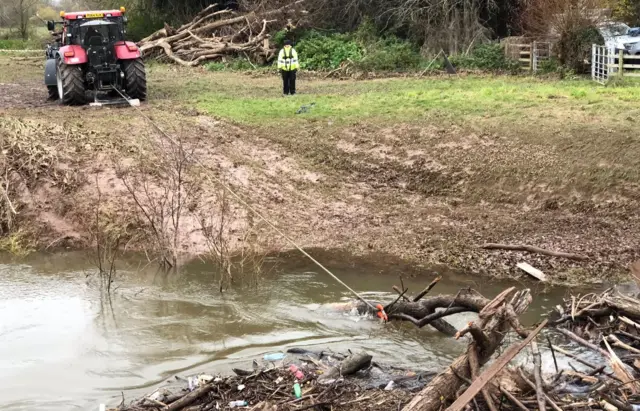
(64, 347)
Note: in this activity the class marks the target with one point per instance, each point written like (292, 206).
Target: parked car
(619, 36)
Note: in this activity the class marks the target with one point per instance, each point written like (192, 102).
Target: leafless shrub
(232, 246)
(162, 186)
(572, 22)
(109, 233)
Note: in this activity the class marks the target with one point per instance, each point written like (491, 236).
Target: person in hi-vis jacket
(288, 65)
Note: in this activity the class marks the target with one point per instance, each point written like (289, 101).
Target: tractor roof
(98, 23)
(79, 15)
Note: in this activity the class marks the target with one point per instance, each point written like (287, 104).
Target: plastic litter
(390, 386)
(240, 387)
(279, 380)
(297, 372)
(204, 379)
(193, 383)
(103, 407)
(274, 357)
(297, 390)
(218, 379)
(239, 403)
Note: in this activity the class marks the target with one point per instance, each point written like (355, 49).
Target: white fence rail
(606, 63)
(600, 62)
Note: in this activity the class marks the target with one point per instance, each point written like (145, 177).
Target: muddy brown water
(63, 347)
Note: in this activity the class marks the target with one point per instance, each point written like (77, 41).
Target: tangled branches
(214, 34)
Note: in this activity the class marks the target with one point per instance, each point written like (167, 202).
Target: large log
(467, 300)
(348, 366)
(496, 319)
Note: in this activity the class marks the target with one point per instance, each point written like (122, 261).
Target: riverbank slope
(424, 169)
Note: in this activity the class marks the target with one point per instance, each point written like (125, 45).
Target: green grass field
(10, 40)
(258, 101)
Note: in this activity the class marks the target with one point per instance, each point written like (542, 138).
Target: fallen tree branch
(546, 397)
(583, 342)
(537, 374)
(444, 386)
(533, 249)
(190, 398)
(491, 372)
(429, 319)
(427, 289)
(215, 34)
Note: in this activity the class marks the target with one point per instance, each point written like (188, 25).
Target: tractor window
(100, 34)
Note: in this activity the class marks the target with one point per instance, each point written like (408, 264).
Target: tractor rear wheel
(53, 93)
(70, 84)
(135, 78)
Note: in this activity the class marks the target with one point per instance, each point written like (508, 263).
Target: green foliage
(625, 10)
(391, 54)
(327, 52)
(549, 66)
(238, 64)
(489, 57)
(279, 37)
(575, 47)
(19, 44)
(365, 49)
(142, 23)
(216, 66)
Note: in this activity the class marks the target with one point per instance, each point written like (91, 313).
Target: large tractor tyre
(135, 78)
(71, 90)
(53, 93)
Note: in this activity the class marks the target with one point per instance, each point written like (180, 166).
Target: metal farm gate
(601, 62)
(541, 52)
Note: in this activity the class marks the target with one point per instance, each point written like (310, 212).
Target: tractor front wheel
(135, 78)
(70, 84)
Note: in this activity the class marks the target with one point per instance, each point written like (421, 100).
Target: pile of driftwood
(216, 34)
(325, 380)
(606, 324)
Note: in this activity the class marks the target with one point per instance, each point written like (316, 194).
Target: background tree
(21, 13)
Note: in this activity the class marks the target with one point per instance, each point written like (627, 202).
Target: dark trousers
(289, 82)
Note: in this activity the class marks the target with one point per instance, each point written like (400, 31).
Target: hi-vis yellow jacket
(288, 59)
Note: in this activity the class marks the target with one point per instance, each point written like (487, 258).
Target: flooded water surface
(63, 347)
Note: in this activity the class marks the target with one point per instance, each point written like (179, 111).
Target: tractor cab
(93, 54)
(98, 33)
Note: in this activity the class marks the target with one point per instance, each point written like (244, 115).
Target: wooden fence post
(531, 50)
(621, 63)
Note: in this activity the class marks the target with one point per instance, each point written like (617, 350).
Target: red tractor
(90, 54)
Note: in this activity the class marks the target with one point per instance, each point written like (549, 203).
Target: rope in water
(216, 180)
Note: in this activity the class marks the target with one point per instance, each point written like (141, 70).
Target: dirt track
(373, 192)
(27, 94)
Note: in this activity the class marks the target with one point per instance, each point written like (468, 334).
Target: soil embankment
(428, 191)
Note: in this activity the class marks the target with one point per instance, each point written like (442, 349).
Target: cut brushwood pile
(215, 34)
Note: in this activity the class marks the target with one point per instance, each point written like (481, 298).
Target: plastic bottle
(239, 403)
(274, 357)
(297, 390)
